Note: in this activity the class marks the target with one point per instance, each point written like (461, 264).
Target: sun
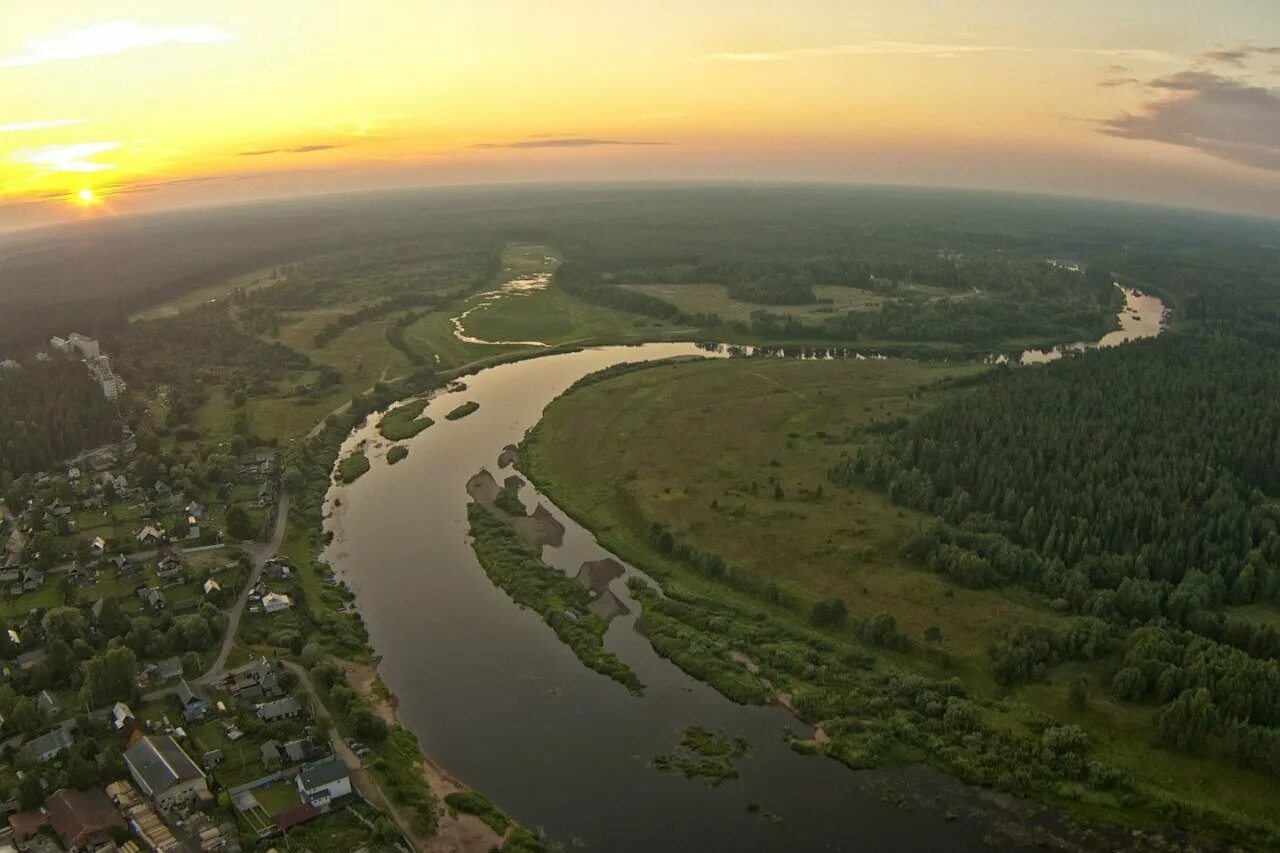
(86, 196)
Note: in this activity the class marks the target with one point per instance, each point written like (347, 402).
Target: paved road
(259, 558)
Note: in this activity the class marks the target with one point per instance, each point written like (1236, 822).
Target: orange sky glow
(163, 104)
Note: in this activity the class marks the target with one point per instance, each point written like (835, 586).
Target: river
(498, 701)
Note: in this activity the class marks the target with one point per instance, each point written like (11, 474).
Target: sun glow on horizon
(1042, 98)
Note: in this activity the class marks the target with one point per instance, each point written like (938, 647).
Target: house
(274, 602)
(98, 546)
(271, 754)
(169, 564)
(47, 746)
(150, 535)
(95, 610)
(32, 579)
(82, 819)
(264, 494)
(278, 709)
(152, 598)
(258, 680)
(276, 569)
(79, 574)
(195, 512)
(120, 715)
(169, 669)
(92, 502)
(193, 529)
(321, 782)
(211, 586)
(47, 704)
(165, 772)
(193, 707)
(298, 750)
(211, 759)
(123, 565)
(27, 660)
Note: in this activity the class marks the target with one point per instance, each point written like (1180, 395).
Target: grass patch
(395, 454)
(463, 410)
(353, 467)
(404, 422)
(469, 802)
(705, 755)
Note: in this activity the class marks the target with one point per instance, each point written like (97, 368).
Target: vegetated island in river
(517, 569)
(462, 411)
(396, 453)
(353, 467)
(405, 421)
(778, 547)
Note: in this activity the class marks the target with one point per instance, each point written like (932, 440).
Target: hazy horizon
(156, 107)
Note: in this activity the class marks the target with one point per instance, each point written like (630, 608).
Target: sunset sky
(109, 108)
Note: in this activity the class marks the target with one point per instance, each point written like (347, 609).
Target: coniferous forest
(49, 411)
(1133, 486)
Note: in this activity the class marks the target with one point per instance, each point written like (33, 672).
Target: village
(130, 718)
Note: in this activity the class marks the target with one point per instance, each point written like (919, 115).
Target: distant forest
(49, 412)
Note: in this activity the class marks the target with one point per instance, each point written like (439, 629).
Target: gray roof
(296, 749)
(158, 763)
(317, 774)
(278, 708)
(53, 742)
(170, 668)
(185, 694)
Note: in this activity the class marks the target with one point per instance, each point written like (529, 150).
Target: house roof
(185, 694)
(318, 774)
(296, 815)
(279, 707)
(77, 816)
(158, 763)
(53, 742)
(170, 668)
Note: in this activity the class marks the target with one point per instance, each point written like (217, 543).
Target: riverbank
(746, 535)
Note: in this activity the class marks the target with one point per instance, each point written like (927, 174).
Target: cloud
(301, 149)
(1117, 75)
(67, 158)
(110, 38)
(19, 126)
(561, 142)
(1238, 55)
(1225, 118)
(925, 49)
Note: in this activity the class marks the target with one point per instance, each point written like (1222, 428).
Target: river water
(500, 702)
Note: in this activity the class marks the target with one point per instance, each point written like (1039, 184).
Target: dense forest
(1134, 485)
(48, 412)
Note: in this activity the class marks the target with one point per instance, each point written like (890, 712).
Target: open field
(715, 299)
(212, 293)
(554, 317)
(702, 448)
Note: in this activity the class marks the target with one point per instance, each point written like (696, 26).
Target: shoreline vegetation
(517, 569)
(875, 695)
(353, 468)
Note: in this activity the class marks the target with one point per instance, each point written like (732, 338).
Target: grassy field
(702, 447)
(554, 317)
(715, 299)
(212, 293)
